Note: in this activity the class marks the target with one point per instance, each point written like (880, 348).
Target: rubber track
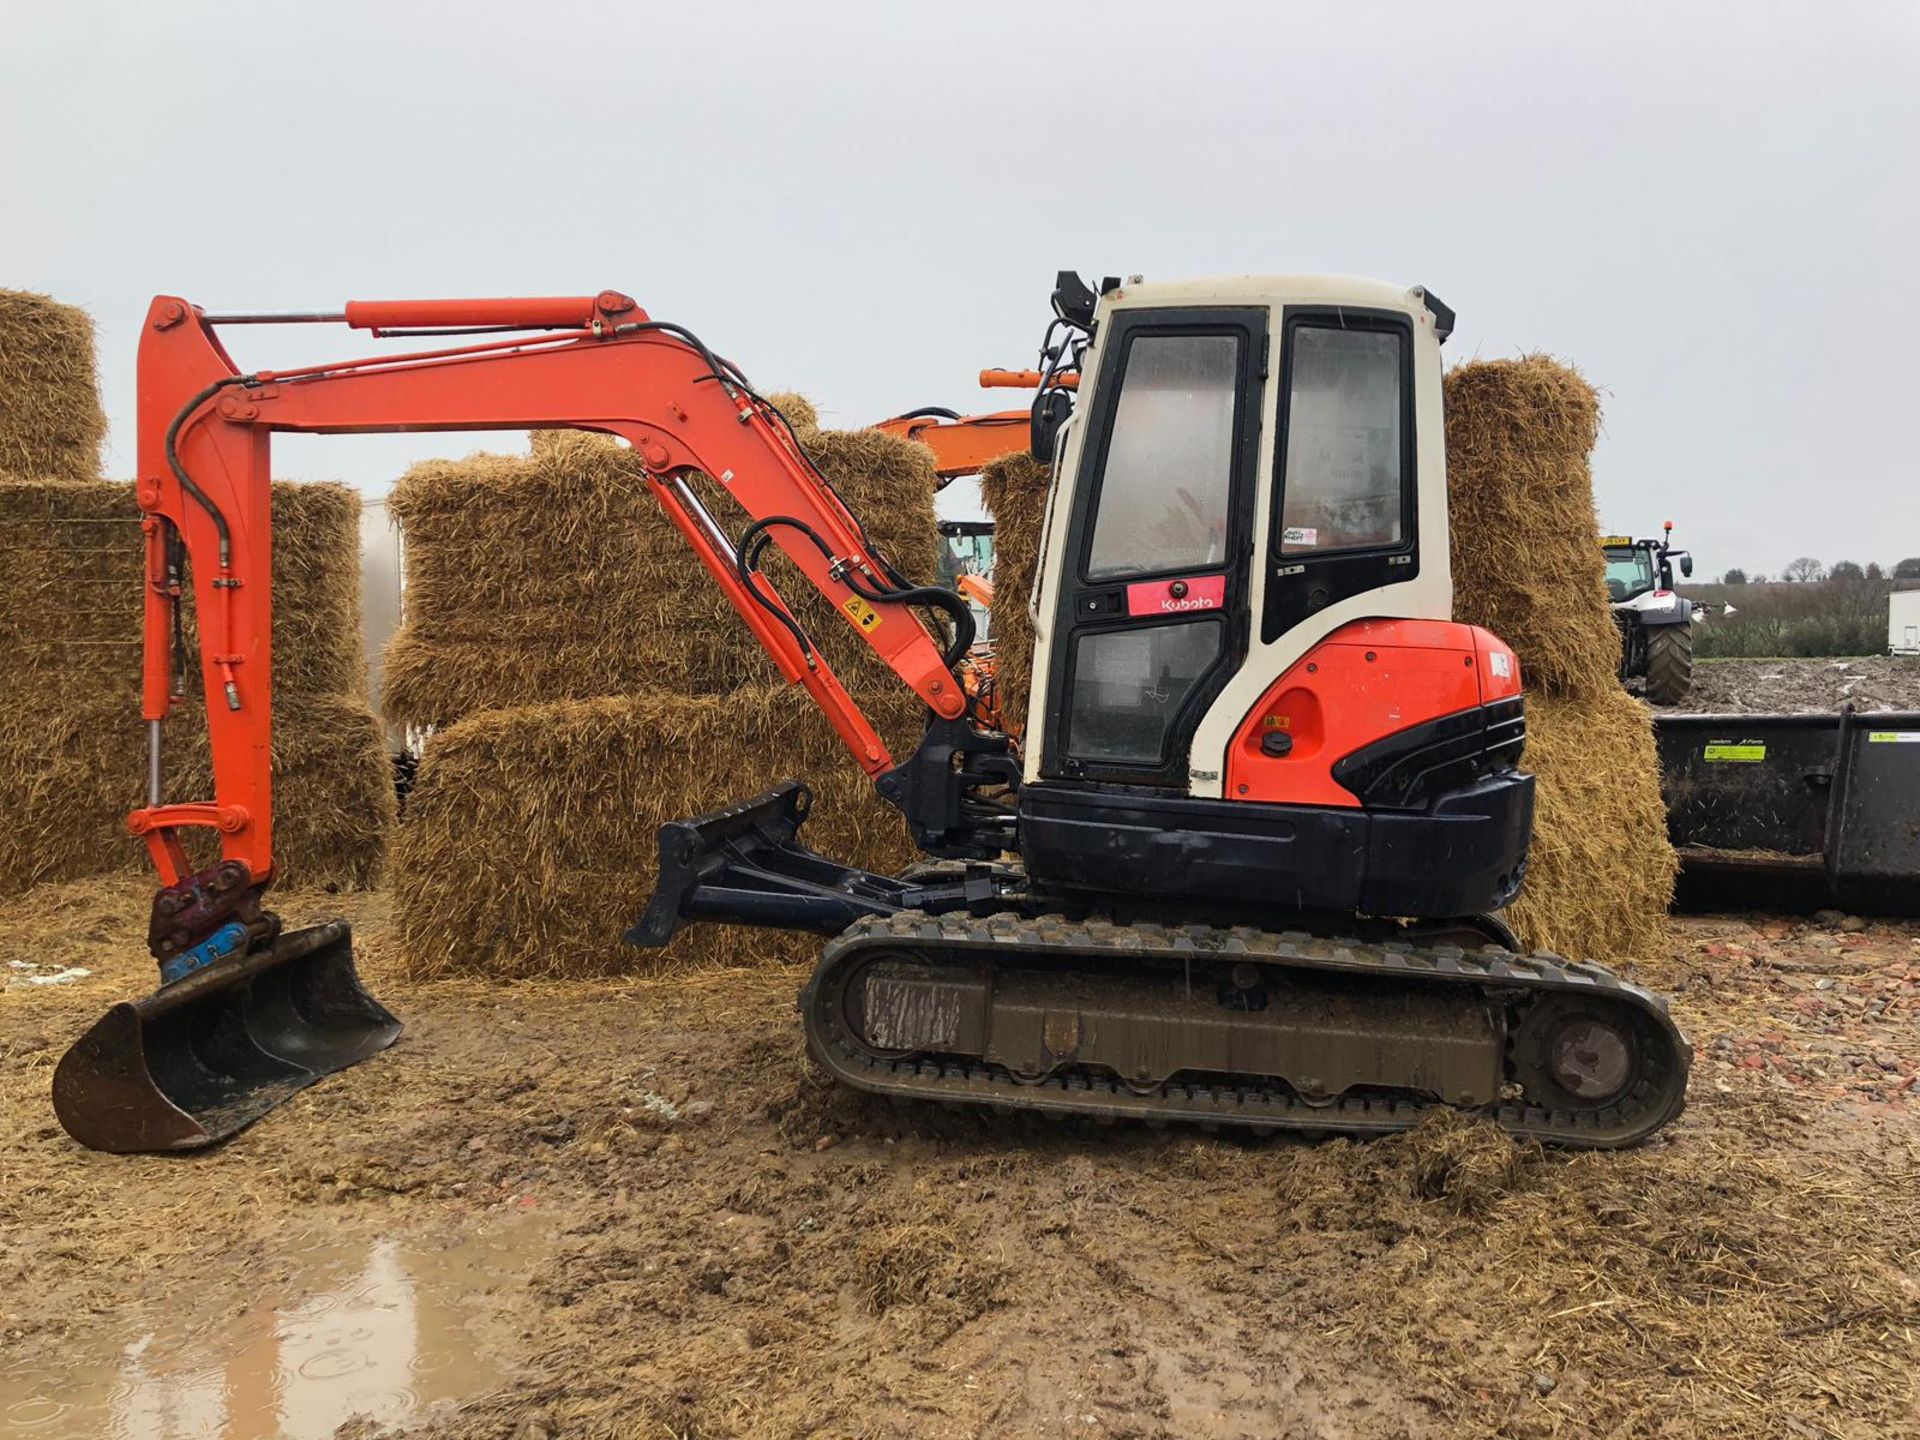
(1656, 1098)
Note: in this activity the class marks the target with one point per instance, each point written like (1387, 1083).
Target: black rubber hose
(199, 496)
(933, 595)
(746, 562)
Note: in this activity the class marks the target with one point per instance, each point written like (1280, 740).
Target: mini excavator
(1239, 869)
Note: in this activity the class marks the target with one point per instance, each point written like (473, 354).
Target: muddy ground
(631, 1209)
(1872, 682)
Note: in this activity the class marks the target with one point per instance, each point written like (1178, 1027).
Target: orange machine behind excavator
(967, 444)
(1238, 869)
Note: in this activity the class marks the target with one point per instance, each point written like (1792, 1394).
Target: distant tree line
(1838, 609)
(1806, 570)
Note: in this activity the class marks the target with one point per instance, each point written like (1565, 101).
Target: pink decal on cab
(1177, 597)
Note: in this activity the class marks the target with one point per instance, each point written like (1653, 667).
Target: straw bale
(73, 771)
(1601, 871)
(333, 800)
(73, 746)
(318, 647)
(799, 410)
(556, 576)
(51, 423)
(1526, 562)
(530, 839)
(1014, 488)
(75, 582)
(70, 772)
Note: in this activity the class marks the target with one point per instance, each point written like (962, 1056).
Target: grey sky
(1711, 209)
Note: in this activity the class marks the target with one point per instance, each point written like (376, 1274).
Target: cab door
(1152, 607)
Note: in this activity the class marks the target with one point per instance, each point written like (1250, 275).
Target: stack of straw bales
(72, 744)
(590, 682)
(73, 751)
(1014, 488)
(51, 423)
(1527, 566)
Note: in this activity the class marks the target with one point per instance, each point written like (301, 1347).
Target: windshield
(1628, 572)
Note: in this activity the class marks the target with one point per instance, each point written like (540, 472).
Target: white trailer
(1903, 622)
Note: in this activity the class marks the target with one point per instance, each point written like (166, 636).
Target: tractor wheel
(1669, 663)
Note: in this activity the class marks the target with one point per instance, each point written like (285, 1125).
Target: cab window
(1344, 481)
(1166, 487)
(1629, 573)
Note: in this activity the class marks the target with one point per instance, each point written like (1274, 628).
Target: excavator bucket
(208, 1054)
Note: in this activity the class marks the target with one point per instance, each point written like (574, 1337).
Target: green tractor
(1656, 623)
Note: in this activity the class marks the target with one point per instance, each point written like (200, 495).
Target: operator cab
(1244, 614)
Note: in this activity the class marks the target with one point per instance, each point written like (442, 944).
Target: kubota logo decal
(1177, 597)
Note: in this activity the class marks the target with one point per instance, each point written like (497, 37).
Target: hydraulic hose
(752, 540)
(194, 492)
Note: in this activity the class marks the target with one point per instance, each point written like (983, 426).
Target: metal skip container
(1787, 812)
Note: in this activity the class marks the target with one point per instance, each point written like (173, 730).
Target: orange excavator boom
(245, 1015)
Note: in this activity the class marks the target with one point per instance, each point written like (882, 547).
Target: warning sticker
(864, 615)
(1300, 535)
(1745, 750)
(1894, 737)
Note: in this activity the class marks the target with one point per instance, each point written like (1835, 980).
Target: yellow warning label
(864, 615)
(1747, 751)
(1277, 722)
(1894, 737)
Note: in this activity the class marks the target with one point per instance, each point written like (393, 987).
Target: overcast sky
(1713, 210)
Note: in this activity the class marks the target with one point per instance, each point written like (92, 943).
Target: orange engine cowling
(1364, 684)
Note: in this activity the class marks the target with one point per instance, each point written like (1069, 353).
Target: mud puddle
(381, 1328)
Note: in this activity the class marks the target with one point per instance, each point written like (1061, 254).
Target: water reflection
(385, 1342)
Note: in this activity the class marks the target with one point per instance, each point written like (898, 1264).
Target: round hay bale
(1526, 557)
(51, 423)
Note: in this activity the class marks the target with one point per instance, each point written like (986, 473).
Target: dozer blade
(209, 1054)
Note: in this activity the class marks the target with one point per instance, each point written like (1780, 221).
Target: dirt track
(1874, 682)
(688, 1233)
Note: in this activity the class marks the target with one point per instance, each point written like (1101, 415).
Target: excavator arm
(596, 363)
(246, 1014)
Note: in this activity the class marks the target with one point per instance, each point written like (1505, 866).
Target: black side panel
(1407, 769)
(1466, 854)
(1471, 847)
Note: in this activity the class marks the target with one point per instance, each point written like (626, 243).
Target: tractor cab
(1638, 567)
